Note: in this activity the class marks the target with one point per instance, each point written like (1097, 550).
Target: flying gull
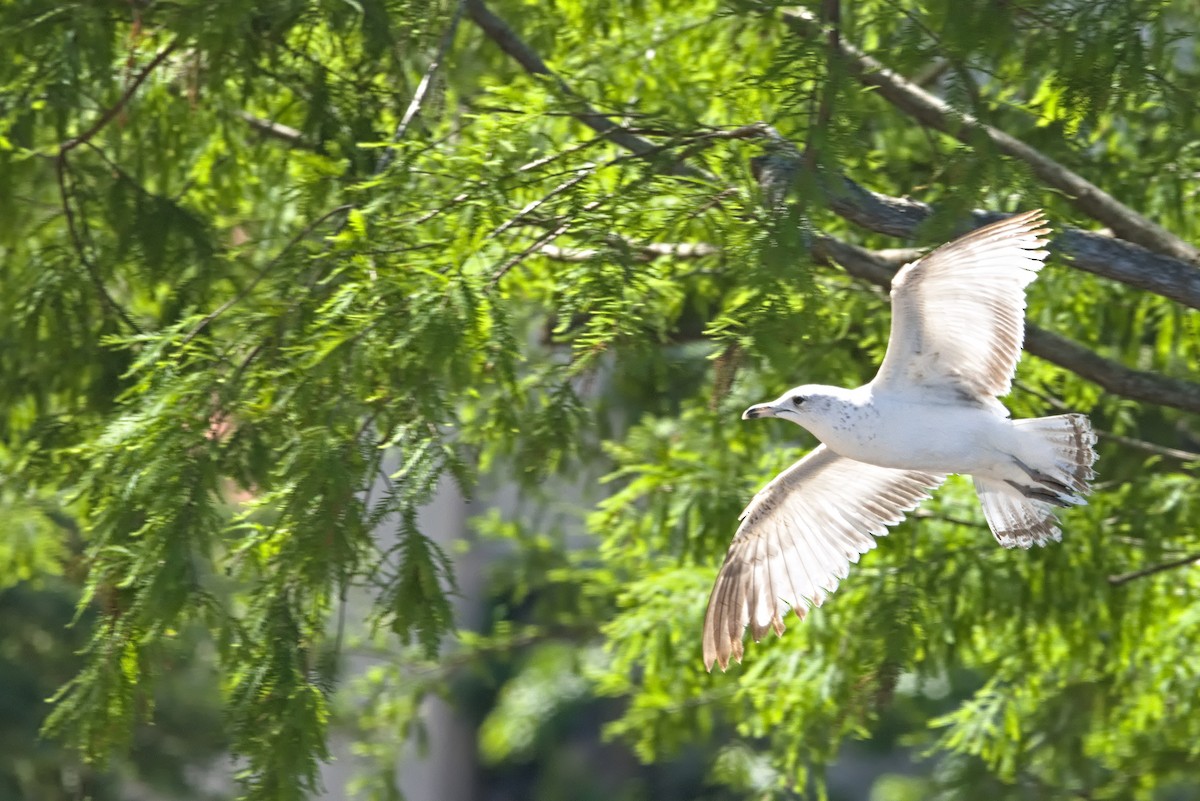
(958, 321)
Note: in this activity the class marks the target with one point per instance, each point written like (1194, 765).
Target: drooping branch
(507, 39)
(111, 112)
(81, 250)
(936, 113)
(1120, 261)
(62, 168)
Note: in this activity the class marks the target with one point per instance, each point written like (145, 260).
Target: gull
(958, 322)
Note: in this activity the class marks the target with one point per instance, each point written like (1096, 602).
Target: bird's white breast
(916, 435)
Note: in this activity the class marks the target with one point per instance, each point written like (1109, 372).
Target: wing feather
(958, 314)
(797, 539)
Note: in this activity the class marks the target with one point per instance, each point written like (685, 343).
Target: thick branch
(936, 113)
(1112, 376)
(1092, 252)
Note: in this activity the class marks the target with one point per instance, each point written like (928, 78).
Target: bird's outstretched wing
(798, 537)
(958, 314)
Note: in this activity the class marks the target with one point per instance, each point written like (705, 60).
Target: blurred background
(371, 375)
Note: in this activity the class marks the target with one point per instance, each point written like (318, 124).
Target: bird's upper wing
(958, 314)
(798, 537)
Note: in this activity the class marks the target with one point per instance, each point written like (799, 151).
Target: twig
(1125, 578)
(276, 130)
(831, 16)
(538, 243)
(115, 109)
(534, 205)
(262, 273)
(936, 113)
(418, 98)
(648, 252)
(507, 39)
(60, 164)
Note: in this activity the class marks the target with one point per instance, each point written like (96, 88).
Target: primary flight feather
(958, 322)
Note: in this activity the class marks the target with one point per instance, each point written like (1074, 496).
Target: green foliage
(248, 326)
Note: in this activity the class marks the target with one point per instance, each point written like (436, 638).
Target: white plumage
(957, 330)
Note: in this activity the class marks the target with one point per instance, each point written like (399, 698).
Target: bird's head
(802, 405)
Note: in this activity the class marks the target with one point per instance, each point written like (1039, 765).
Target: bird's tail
(1056, 457)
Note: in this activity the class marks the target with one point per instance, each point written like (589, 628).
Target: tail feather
(1016, 521)
(1070, 439)
(1057, 457)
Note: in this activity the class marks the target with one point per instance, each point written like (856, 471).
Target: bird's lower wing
(798, 537)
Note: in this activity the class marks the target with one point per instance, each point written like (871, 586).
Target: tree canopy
(274, 272)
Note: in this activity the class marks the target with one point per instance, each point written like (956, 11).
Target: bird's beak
(759, 410)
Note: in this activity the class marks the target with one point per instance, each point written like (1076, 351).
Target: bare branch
(1112, 376)
(1150, 447)
(1128, 442)
(537, 245)
(654, 250)
(275, 130)
(418, 98)
(1125, 578)
(936, 113)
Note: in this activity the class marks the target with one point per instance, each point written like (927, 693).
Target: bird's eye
(797, 400)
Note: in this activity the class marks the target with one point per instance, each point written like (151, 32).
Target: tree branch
(1125, 578)
(115, 109)
(418, 98)
(1091, 252)
(60, 166)
(507, 39)
(936, 113)
(649, 252)
(1112, 376)
(1120, 261)
(275, 130)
